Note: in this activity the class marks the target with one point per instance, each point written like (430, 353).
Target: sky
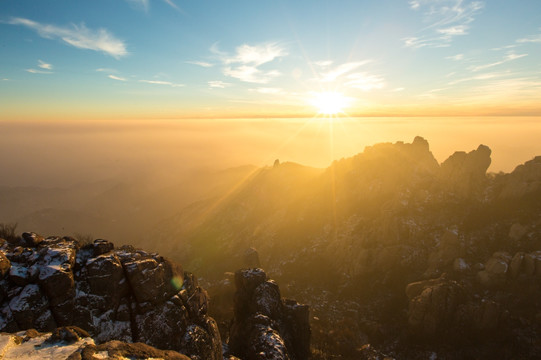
(173, 59)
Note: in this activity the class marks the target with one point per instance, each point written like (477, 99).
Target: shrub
(7, 231)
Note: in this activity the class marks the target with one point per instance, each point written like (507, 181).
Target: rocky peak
(463, 173)
(114, 294)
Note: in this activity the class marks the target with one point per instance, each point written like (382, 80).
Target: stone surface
(265, 326)
(113, 294)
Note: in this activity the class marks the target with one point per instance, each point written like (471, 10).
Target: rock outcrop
(114, 294)
(523, 181)
(265, 326)
(444, 307)
(75, 344)
(464, 173)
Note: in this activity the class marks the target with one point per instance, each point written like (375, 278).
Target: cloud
(256, 55)
(218, 84)
(415, 4)
(145, 4)
(341, 70)
(446, 19)
(456, 57)
(173, 5)
(116, 78)
(107, 70)
(245, 62)
(481, 77)
(531, 39)
(364, 81)
(453, 30)
(200, 63)
(159, 82)
(251, 74)
(323, 63)
(44, 65)
(509, 57)
(36, 71)
(78, 36)
(268, 91)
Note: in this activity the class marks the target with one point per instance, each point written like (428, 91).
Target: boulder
(264, 325)
(31, 239)
(432, 312)
(5, 265)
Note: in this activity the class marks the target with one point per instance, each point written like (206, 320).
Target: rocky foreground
(60, 299)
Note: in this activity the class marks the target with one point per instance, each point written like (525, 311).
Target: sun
(329, 102)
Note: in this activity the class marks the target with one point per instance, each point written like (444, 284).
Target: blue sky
(173, 58)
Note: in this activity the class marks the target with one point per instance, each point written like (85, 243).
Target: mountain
(349, 240)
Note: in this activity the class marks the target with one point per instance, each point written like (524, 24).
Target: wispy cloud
(107, 70)
(36, 71)
(446, 19)
(530, 39)
(44, 68)
(117, 78)
(200, 63)
(509, 57)
(78, 36)
(174, 5)
(159, 82)
(456, 57)
(44, 65)
(255, 55)
(342, 69)
(268, 91)
(364, 81)
(245, 63)
(218, 84)
(481, 77)
(323, 63)
(251, 74)
(145, 5)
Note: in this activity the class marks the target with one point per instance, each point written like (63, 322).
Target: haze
(63, 154)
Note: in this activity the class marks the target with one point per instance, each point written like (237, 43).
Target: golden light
(330, 102)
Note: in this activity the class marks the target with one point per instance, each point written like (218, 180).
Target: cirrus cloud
(245, 63)
(78, 36)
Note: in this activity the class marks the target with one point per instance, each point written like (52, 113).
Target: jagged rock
(67, 334)
(31, 239)
(449, 249)
(464, 172)
(432, 311)
(5, 265)
(524, 180)
(114, 294)
(30, 309)
(73, 343)
(264, 325)
(517, 231)
(101, 246)
(251, 258)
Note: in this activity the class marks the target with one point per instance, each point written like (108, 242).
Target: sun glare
(330, 102)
